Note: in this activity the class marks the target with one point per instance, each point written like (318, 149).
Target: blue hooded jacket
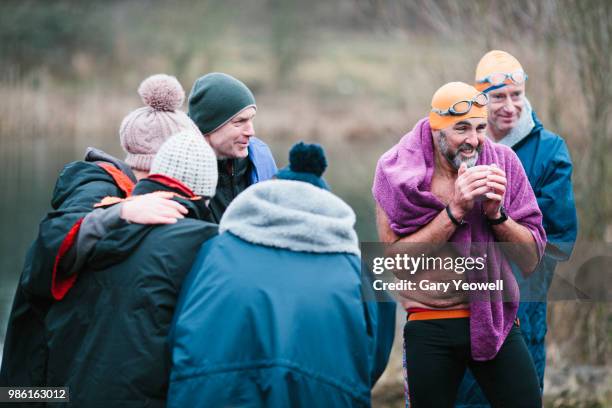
(264, 167)
(548, 165)
(272, 313)
(547, 162)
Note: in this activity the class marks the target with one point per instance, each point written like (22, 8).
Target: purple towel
(402, 187)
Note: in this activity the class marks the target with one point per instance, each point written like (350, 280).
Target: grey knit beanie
(216, 98)
(143, 131)
(188, 158)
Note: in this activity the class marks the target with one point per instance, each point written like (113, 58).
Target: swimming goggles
(498, 78)
(463, 107)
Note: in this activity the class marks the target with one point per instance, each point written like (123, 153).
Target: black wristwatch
(499, 220)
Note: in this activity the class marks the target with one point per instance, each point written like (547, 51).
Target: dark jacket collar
(236, 168)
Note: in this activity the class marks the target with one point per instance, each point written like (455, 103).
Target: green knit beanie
(215, 99)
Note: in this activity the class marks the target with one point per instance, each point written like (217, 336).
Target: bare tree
(589, 30)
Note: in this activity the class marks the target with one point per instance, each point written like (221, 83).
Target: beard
(454, 157)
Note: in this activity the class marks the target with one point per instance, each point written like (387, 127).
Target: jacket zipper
(232, 174)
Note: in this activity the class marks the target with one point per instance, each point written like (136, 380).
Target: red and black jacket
(80, 185)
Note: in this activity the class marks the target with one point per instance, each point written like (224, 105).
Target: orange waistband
(439, 314)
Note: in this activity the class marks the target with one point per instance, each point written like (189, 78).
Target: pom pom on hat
(162, 92)
(307, 158)
(307, 162)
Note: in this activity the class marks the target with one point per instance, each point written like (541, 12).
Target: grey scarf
(523, 127)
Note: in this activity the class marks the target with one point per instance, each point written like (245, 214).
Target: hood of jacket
(86, 172)
(96, 155)
(292, 215)
(74, 176)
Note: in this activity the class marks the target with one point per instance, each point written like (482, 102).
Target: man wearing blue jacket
(272, 313)
(223, 108)
(548, 165)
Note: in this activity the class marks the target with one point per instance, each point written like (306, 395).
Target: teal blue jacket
(548, 165)
(272, 313)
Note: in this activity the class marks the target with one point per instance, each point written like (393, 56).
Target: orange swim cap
(448, 95)
(493, 62)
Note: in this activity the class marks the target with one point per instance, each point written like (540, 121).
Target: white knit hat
(188, 158)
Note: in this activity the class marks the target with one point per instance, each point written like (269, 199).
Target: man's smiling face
(463, 141)
(232, 139)
(505, 107)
